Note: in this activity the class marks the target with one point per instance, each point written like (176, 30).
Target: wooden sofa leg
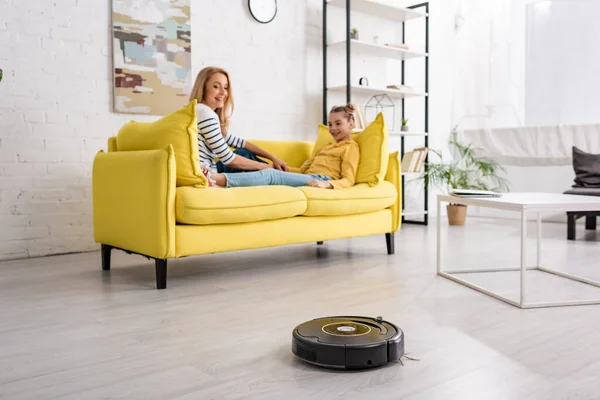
(590, 222)
(105, 250)
(320, 243)
(571, 226)
(389, 241)
(161, 273)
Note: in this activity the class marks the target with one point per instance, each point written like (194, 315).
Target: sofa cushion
(196, 206)
(357, 199)
(373, 144)
(178, 129)
(587, 168)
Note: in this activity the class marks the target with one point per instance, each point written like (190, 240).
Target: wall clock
(263, 11)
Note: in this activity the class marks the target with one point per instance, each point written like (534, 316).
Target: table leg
(523, 256)
(438, 236)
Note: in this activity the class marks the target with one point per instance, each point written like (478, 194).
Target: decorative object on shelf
(363, 80)
(381, 102)
(354, 34)
(404, 127)
(404, 88)
(469, 169)
(263, 11)
(398, 45)
(151, 56)
(375, 39)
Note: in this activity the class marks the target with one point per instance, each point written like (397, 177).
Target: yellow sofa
(139, 208)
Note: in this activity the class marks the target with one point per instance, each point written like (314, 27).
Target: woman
(212, 90)
(333, 167)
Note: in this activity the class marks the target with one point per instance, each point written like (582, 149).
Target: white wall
(563, 84)
(56, 102)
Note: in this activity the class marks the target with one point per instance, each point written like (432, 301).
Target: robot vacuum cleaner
(348, 342)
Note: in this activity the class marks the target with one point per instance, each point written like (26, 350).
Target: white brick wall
(56, 102)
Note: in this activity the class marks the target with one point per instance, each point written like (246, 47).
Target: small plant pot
(457, 214)
(404, 128)
(354, 36)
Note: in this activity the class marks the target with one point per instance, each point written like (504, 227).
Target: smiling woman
(212, 90)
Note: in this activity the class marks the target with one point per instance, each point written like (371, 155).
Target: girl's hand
(278, 164)
(319, 184)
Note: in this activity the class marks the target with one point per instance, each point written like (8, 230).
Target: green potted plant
(354, 34)
(469, 169)
(404, 127)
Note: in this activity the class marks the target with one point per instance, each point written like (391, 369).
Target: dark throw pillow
(587, 169)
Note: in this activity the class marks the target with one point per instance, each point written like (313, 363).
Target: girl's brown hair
(198, 94)
(347, 109)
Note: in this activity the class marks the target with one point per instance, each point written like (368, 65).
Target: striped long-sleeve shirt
(211, 142)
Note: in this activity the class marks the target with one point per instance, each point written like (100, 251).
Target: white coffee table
(523, 203)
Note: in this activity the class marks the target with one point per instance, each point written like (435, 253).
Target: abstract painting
(151, 55)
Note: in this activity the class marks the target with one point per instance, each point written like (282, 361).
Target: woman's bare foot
(220, 180)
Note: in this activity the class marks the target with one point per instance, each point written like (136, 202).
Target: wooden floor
(222, 329)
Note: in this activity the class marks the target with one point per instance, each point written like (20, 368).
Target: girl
(333, 167)
(212, 90)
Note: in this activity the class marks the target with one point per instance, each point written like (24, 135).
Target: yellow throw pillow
(373, 144)
(178, 129)
(323, 138)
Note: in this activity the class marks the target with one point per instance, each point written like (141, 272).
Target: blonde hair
(348, 109)
(198, 94)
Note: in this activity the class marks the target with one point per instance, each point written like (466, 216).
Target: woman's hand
(279, 164)
(319, 184)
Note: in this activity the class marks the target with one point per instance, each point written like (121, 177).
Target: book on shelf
(414, 160)
(359, 118)
(407, 161)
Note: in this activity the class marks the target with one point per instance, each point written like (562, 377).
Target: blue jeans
(271, 176)
(240, 152)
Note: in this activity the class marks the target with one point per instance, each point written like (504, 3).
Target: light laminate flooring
(222, 329)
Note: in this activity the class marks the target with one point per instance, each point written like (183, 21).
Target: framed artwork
(151, 55)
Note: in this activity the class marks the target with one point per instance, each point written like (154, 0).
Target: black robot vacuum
(348, 342)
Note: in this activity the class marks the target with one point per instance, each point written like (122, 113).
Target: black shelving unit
(373, 5)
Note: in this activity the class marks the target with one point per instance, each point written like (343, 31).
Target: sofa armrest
(134, 201)
(293, 153)
(394, 176)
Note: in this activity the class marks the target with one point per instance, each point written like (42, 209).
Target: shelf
(408, 214)
(380, 10)
(400, 133)
(378, 50)
(374, 91)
